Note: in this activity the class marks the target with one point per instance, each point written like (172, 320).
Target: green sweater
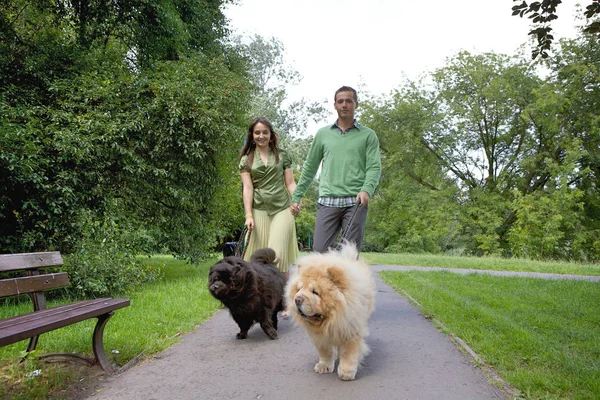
(351, 163)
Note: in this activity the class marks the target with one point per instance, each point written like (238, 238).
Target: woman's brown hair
(250, 145)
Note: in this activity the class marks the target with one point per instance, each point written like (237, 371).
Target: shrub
(104, 263)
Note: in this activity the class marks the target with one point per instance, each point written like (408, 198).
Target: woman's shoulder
(243, 164)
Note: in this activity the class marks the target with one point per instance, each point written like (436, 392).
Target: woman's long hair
(250, 145)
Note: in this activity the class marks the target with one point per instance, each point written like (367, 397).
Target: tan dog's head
(316, 292)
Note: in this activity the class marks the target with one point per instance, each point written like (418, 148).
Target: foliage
(542, 13)
(488, 158)
(413, 208)
(271, 74)
(129, 102)
(104, 262)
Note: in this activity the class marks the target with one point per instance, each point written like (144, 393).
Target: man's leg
(356, 230)
(327, 227)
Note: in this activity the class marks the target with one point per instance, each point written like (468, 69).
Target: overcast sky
(374, 43)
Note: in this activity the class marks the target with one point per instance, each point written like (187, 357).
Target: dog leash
(346, 232)
(240, 248)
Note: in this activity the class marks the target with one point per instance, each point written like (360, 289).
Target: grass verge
(489, 263)
(541, 336)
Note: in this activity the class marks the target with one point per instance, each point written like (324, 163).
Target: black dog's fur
(252, 291)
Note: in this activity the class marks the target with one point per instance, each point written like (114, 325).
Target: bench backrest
(29, 261)
(34, 283)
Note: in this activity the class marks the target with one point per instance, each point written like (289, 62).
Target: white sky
(374, 43)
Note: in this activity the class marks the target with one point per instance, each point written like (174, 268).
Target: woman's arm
(247, 197)
(290, 184)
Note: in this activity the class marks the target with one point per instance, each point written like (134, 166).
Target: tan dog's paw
(346, 374)
(323, 368)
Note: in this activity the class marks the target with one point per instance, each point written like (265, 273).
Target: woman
(268, 183)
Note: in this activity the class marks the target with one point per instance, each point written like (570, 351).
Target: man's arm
(373, 167)
(309, 169)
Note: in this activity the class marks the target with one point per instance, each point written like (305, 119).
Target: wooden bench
(42, 319)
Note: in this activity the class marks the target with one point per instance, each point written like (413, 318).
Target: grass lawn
(541, 336)
(490, 263)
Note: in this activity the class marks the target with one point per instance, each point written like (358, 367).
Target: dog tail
(347, 250)
(265, 256)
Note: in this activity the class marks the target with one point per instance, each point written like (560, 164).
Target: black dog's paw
(242, 335)
(271, 333)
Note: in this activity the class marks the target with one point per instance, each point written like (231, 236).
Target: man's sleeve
(373, 165)
(309, 169)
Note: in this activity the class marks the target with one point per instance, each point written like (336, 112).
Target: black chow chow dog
(252, 291)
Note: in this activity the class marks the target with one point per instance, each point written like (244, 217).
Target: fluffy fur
(333, 295)
(252, 291)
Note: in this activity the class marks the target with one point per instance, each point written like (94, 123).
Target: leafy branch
(542, 13)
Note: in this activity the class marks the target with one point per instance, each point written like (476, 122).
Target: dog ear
(242, 274)
(237, 272)
(337, 276)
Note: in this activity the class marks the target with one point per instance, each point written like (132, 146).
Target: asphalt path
(410, 359)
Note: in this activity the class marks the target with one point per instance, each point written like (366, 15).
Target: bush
(104, 263)
(370, 247)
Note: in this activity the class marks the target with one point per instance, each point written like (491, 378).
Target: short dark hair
(346, 89)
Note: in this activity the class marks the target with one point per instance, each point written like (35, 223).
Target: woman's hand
(249, 223)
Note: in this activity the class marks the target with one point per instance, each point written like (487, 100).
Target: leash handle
(242, 244)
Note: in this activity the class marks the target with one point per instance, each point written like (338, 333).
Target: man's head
(345, 102)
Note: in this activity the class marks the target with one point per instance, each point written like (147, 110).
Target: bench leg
(99, 346)
(32, 344)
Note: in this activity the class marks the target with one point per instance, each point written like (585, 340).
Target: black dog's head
(229, 278)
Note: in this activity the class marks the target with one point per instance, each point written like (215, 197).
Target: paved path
(465, 271)
(410, 359)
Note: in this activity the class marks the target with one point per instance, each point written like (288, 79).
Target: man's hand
(363, 197)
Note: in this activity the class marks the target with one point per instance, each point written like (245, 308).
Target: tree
(542, 13)
(414, 207)
(576, 72)
(97, 122)
(271, 76)
(471, 151)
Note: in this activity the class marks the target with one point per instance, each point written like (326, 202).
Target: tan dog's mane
(341, 284)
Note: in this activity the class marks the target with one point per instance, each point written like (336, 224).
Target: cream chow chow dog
(332, 296)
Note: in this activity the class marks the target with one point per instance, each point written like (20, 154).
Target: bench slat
(25, 326)
(25, 261)
(30, 284)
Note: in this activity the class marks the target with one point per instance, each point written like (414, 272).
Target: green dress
(274, 224)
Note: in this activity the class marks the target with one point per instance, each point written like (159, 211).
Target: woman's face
(261, 135)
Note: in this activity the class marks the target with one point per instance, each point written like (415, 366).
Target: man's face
(345, 105)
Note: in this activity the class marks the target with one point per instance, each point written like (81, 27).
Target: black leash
(242, 244)
(346, 231)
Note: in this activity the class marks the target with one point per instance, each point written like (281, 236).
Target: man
(350, 173)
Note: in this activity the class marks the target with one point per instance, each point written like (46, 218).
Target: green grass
(490, 263)
(541, 336)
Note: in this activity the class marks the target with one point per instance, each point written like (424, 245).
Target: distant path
(464, 271)
(410, 359)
